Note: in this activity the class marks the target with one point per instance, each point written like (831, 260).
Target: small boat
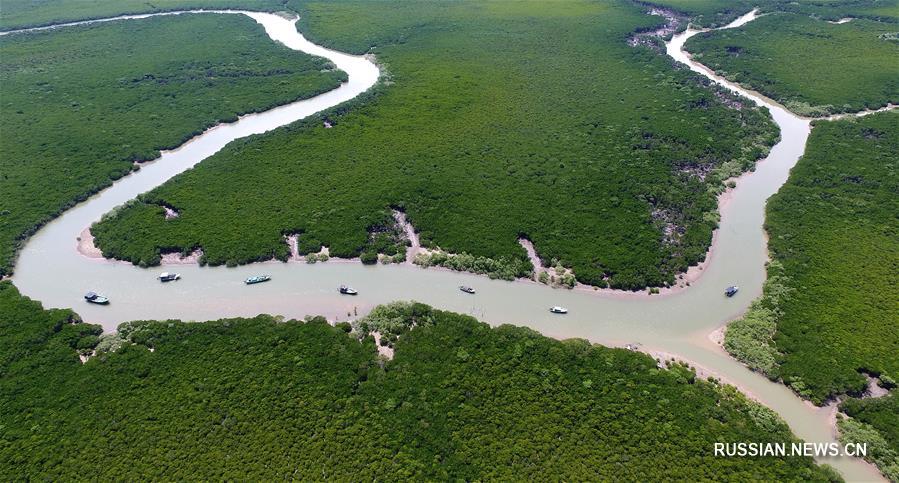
(731, 291)
(466, 289)
(95, 298)
(347, 290)
(257, 279)
(558, 310)
(169, 277)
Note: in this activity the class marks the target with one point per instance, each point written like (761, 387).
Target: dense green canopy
(810, 65)
(716, 13)
(606, 156)
(835, 235)
(81, 104)
(260, 399)
(30, 13)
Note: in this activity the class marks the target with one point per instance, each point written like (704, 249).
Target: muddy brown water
(51, 270)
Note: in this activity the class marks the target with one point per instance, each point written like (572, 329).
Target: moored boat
(466, 289)
(558, 310)
(95, 298)
(257, 279)
(169, 277)
(347, 290)
(731, 291)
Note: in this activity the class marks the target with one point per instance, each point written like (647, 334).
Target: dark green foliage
(31, 13)
(482, 133)
(811, 66)
(508, 403)
(242, 398)
(879, 450)
(880, 413)
(716, 13)
(80, 105)
(255, 399)
(369, 258)
(29, 331)
(834, 230)
(708, 13)
(885, 10)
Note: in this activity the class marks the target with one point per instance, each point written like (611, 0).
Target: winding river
(50, 268)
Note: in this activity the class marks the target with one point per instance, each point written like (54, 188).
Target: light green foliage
(811, 66)
(880, 414)
(316, 257)
(833, 228)
(485, 133)
(258, 399)
(394, 319)
(751, 338)
(879, 451)
(502, 268)
(80, 105)
(543, 277)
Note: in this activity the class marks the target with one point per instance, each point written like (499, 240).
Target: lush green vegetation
(82, 104)
(878, 412)
(811, 66)
(879, 450)
(483, 133)
(263, 399)
(494, 268)
(751, 338)
(876, 421)
(708, 13)
(716, 13)
(31, 13)
(834, 236)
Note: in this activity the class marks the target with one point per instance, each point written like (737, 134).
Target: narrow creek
(51, 269)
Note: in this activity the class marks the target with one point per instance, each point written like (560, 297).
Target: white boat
(558, 310)
(95, 298)
(347, 290)
(257, 279)
(169, 277)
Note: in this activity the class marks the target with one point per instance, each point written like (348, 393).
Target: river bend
(51, 270)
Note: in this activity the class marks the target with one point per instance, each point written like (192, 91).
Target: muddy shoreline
(677, 325)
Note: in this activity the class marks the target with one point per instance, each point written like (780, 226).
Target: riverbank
(296, 290)
(87, 248)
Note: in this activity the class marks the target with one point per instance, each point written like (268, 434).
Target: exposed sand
(532, 255)
(673, 22)
(717, 336)
(294, 246)
(175, 258)
(682, 281)
(411, 235)
(86, 245)
(383, 350)
(87, 248)
(874, 389)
